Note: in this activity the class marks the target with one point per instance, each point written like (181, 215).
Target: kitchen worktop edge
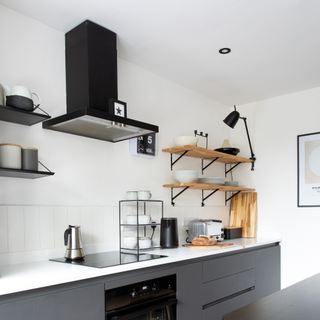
(34, 275)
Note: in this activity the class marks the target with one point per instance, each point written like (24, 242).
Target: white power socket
(186, 220)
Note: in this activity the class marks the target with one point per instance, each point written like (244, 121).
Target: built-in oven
(148, 300)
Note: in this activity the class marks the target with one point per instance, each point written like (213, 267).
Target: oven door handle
(146, 310)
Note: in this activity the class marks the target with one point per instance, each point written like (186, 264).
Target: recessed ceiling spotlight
(225, 50)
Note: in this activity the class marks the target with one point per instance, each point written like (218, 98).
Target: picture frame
(118, 108)
(308, 146)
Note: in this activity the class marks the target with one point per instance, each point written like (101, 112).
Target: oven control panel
(140, 293)
(145, 289)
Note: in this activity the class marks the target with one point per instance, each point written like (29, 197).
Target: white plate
(232, 183)
(213, 180)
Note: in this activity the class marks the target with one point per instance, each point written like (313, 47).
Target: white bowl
(185, 176)
(185, 140)
(144, 243)
(132, 219)
(143, 219)
(185, 172)
(185, 179)
(129, 242)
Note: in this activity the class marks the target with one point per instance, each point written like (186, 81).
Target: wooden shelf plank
(207, 154)
(204, 186)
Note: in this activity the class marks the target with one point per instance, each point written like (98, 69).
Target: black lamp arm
(252, 154)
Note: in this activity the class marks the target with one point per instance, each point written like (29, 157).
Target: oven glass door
(162, 311)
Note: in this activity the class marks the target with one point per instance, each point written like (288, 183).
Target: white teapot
(20, 97)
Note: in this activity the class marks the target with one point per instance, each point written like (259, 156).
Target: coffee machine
(72, 239)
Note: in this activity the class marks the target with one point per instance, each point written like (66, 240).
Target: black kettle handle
(67, 231)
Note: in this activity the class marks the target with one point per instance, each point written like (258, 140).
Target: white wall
(274, 125)
(91, 176)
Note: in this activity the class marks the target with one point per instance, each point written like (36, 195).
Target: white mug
(132, 195)
(144, 195)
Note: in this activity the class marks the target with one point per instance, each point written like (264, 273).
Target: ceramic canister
(29, 158)
(10, 156)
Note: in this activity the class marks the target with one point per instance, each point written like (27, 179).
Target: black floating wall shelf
(19, 116)
(26, 174)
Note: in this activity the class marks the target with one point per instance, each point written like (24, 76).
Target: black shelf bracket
(209, 164)
(233, 195)
(177, 195)
(227, 171)
(172, 163)
(203, 199)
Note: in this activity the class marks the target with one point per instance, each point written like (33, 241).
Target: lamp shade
(232, 119)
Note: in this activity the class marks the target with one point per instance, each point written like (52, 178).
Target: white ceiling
(275, 43)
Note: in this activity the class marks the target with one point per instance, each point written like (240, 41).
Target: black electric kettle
(72, 239)
(169, 233)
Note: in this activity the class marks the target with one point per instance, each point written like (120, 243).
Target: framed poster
(309, 170)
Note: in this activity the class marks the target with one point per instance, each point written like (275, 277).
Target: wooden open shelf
(207, 154)
(205, 186)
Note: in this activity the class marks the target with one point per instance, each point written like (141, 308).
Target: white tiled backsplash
(37, 230)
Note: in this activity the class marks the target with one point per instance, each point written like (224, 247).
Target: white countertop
(34, 275)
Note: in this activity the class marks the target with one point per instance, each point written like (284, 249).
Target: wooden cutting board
(213, 246)
(222, 245)
(243, 213)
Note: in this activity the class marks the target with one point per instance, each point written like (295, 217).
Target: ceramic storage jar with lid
(29, 158)
(10, 156)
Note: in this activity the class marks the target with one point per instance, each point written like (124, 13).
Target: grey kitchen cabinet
(207, 288)
(267, 265)
(75, 304)
(189, 285)
(213, 287)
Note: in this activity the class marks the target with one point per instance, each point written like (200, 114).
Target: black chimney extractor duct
(92, 88)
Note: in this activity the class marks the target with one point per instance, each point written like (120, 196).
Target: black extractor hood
(93, 108)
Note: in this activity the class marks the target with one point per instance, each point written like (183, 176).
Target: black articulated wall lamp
(231, 120)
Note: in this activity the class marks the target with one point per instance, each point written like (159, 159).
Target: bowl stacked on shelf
(185, 140)
(185, 176)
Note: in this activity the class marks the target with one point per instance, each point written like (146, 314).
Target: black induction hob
(109, 259)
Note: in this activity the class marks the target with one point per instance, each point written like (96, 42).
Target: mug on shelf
(144, 195)
(132, 195)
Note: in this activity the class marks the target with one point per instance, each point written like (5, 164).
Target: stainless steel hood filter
(92, 86)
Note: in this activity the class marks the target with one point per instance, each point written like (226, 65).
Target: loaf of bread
(203, 240)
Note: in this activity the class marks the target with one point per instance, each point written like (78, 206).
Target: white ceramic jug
(20, 97)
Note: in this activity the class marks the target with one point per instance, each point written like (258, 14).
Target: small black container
(232, 232)
(169, 233)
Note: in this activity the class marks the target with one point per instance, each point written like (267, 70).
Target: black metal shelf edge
(18, 116)
(140, 224)
(138, 200)
(26, 174)
(141, 249)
